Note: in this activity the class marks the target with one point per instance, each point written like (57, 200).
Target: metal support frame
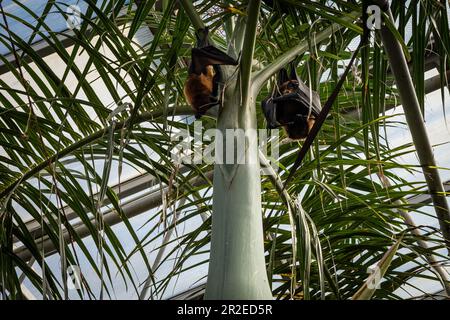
(131, 209)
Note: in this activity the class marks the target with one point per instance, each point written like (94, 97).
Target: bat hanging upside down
(202, 85)
(297, 108)
(293, 106)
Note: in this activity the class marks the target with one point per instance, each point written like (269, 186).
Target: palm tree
(89, 117)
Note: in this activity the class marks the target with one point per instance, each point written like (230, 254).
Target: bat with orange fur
(204, 75)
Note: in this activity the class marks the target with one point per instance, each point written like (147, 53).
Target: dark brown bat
(297, 109)
(293, 106)
(202, 85)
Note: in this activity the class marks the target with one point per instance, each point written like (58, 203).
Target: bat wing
(308, 99)
(303, 97)
(293, 74)
(268, 107)
(209, 55)
(282, 76)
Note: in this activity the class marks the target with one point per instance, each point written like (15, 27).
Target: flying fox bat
(293, 106)
(204, 75)
(297, 108)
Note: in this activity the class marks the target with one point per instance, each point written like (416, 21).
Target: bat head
(289, 86)
(288, 82)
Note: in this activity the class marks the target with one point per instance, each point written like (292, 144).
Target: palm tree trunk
(237, 268)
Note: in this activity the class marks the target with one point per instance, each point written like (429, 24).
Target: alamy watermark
(374, 18)
(228, 146)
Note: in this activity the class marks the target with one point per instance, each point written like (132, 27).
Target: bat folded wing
(302, 99)
(316, 106)
(210, 55)
(268, 108)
